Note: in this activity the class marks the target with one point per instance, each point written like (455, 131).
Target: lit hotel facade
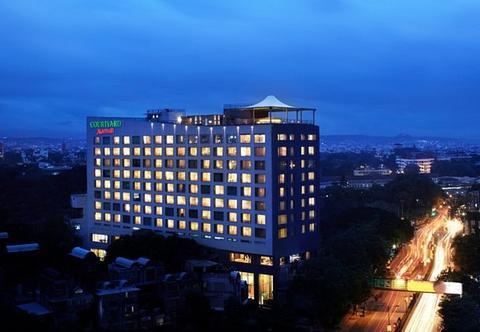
(244, 182)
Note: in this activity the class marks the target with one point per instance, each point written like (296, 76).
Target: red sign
(104, 131)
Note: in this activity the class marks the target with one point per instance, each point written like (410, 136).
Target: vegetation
(172, 251)
(343, 163)
(35, 206)
(463, 313)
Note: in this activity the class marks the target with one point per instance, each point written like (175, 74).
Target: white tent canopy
(270, 101)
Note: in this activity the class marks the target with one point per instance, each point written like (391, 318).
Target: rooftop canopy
(270, 102)
(269, 110)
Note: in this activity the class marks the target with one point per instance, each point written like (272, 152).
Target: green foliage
(343, 164)
(172, 251)
(467, 254)
(323, 290)
(355, 247)
(463, 313)
(416, 192)
(460, 314)
(34, 207)
(455, 168)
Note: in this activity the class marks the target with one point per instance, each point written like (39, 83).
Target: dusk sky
(373, 67)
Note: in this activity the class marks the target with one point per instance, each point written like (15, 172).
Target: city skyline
(369, 68)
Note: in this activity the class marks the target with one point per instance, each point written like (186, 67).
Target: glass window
(240, 258)
(259, 138)
(245, 138)
(265, 288)
(249, 279)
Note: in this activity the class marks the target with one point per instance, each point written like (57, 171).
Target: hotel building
(244, 182)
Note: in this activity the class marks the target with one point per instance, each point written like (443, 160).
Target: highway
(413, 261)
(424, 316)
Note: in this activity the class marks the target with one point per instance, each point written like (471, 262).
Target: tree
(172, 251)
(460, 314)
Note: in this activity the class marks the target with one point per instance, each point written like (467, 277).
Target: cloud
(375, 67)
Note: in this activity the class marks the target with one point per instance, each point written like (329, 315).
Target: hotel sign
(105, 127)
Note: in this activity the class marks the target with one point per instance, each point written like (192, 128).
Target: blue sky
(369, 66)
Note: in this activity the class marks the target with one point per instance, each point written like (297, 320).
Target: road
(412, 262)
(424, 316)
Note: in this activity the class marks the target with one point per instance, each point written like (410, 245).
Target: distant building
(354, 182)
(244, 182)
(405, 157)
(2, 150)
(366, 170)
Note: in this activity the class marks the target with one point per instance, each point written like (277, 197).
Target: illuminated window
(265, 288)
(232, 230)
(219, 203)
(181, 200)
(246, 231)
(282, 151)
(206, 201)
(260, 219)
(246, 204)
(311, 150)
(158, 139)
(266, 260)
(193, 201)
(260, 178)
(232, 177)
(192, 151)
(205, 151)
(169, 139)
(281, 137)
(282, 233)
(282, 219)
(246, 217)
(194, 226)
(147, 139)
(219, 189)
(245, 138)
(206, 215)
(232, 164)
(249, 279)
(246, 178)
(99, 238)
(219, 229)
(247, 191)
(231, 151)
(126, 151)
(259, 138)
(169, 151)
(240, 258)
(232, 216)
(232, 203)
(182, 224)
(260, 151)
(98, 216)
(116, 140)
(219, 151)
(206, 227)
(170, 199)
(206, 177)
(245, 151)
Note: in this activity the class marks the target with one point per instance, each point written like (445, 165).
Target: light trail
(424, 317)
